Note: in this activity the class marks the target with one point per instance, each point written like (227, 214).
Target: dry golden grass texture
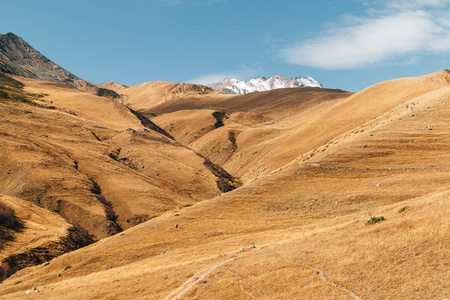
(315, 170)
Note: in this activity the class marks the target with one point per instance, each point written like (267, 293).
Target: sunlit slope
(187, 126)
(39, 225)
(96, 176)
(151, 95)
(102, 110)
(306, 130)
(307, 220)
(264, 131)
(254, 125)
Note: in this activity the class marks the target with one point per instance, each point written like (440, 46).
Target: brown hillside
(313, 176)
(19, 58)
(90, 160)
(57, 153)
(101, 110)
(271, 137)
(148, 95)
(42, 236)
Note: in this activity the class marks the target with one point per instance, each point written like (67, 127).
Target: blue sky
(343, 44)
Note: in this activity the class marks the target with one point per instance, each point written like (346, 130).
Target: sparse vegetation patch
(12, 90)
(403, 208)
(9, 82)
(374, 220)
(108, 93)
(235, 183)
(219, 115)
(8, 222)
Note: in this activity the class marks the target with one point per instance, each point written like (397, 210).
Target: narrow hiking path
(185, 287)
(239, 278)
(324, 279)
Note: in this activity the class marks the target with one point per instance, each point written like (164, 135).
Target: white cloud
(243, 73)
(385, 37)
(415, 4)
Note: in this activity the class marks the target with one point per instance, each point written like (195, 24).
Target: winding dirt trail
(241, 286)
(324, 279)
(185, 287)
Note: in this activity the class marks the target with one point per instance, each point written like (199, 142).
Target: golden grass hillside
(101, 110)
(381, 152)
(149, 95)
(40, 236)
(91, 160)
(80, 167)
(264, 131)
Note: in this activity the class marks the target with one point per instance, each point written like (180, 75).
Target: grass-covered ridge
(12, 90)
(6, 81)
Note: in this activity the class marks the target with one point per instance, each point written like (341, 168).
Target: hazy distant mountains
(19, 58)
(266, 83)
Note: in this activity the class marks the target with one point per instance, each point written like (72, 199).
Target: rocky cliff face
(19, 58)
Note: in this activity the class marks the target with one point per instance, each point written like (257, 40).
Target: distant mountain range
(266, 83)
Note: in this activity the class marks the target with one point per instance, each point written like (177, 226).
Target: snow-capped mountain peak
(265, 83)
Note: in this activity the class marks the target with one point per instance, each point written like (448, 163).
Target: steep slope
(44, 235)
(102, 110)
(91, 160)
(19, 58)
(260, 84)
(100, 156)
(307, 220)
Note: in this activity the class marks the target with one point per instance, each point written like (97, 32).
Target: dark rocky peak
(19, 58)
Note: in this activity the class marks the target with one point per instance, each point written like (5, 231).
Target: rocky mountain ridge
(265, 83)
(19, 58)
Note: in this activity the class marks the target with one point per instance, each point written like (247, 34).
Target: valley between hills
(178, 191)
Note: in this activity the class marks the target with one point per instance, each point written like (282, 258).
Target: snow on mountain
(266, 83)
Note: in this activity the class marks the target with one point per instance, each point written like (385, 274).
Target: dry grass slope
(82, 160)
(315, 169)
